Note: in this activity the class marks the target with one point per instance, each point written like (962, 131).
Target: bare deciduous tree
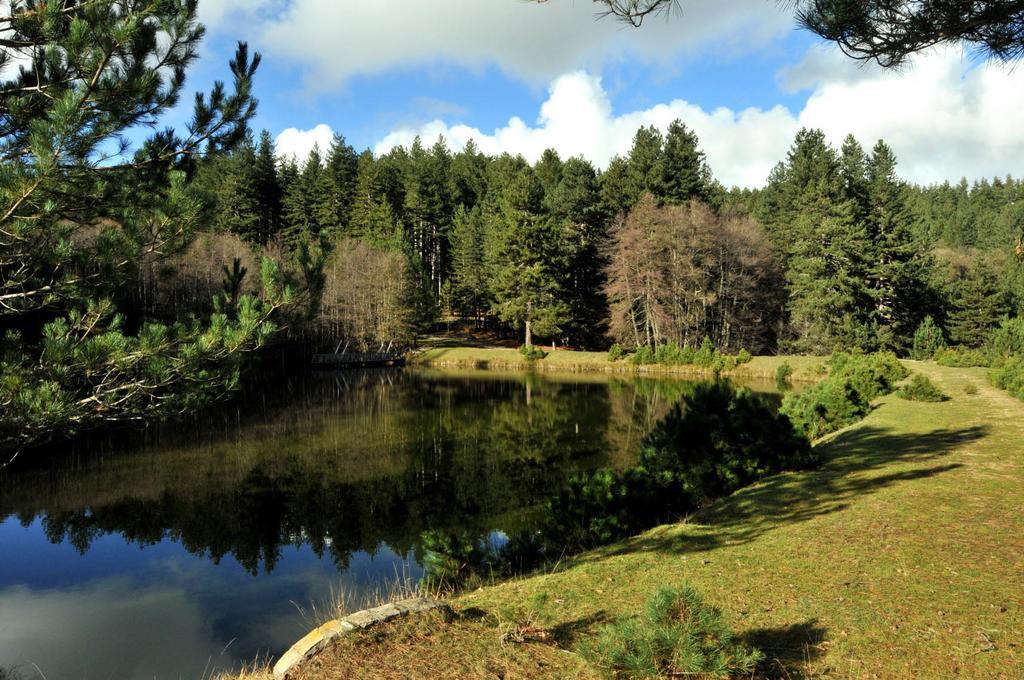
(366, 297)
(679, 273)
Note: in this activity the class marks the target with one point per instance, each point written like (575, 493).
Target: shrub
(1010, 376)
(970, 389)
(677, 635)
(706, 355)
(872, 375)
(845, 395)
(920, 388)
(744, 357)
(782, 375)
(671, 353)
(724, 362)
(962, 357)
(643, 355)
(1008, 339)
(532, 352)
(718, 440)
(828, 406)
(928, 339)
(615, 352)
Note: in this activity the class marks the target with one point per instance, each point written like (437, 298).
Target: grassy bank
(805, 369)
(903, 556)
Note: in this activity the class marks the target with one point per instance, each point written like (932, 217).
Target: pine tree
(829, 304)
(853, 164)
(928, 339)
(575, 203)
(300, 215)
(769, 207)
(898, 266)
(238, 205)
(549, 171)
(428, 209)
(268, 189)
(287, 176)
(976, 306)
(644, 163)
(681, 173)
(829, 294)
(526, 282)
(469, 275)
(338, 186)
(615, 192)
(468, 176)
(373, 218)
(76, 223)
(323, 204)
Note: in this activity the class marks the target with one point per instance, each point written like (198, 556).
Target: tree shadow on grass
(855, 464)
(787, 649)
(565, 634)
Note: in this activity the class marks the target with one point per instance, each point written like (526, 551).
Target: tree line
(835, 252)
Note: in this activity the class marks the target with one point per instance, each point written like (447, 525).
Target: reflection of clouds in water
(109, 625)
(357, 482)
(175, 617)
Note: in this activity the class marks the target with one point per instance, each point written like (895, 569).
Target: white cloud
(217, 13)
(577, 119)
(296, 143)
(943, 118)
(335, 40)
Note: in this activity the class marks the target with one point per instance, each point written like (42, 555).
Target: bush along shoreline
(715, 441)
(844, 396)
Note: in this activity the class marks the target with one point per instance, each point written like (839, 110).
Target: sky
(521, 76)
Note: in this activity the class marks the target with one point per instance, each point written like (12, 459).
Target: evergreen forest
(835, 252)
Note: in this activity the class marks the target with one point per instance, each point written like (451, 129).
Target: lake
(191, 547)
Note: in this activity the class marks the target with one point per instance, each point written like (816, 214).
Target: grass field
(902, 557)
(805, 369)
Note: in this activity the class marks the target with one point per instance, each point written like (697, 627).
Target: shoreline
(806, 369)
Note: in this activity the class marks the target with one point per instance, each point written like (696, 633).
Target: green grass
(805, 369)
(903, 556)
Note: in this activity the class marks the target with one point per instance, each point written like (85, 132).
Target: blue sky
(739, 73)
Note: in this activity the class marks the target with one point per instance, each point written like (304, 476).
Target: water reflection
(187, 551)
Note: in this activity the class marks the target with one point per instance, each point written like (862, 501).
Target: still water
(194, 547)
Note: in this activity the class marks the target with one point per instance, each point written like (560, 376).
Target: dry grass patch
(439, 645)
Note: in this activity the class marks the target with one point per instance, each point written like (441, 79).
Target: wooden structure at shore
(342, 358)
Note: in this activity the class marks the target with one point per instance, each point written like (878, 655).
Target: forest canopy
(835, 251)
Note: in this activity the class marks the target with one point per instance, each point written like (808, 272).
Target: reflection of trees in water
(713, 440)
(636, 406)
(254, 519)
(357, 462)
